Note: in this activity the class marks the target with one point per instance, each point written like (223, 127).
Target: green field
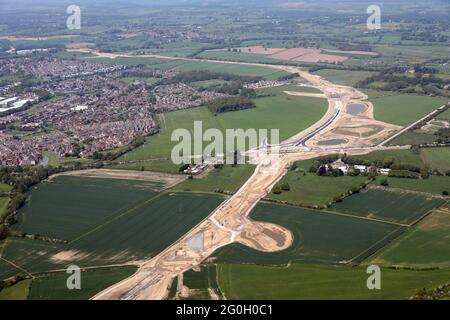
(68, 206)
(53, 286)
(200, 281)
(400, 157)
(319, 237)
(344, 77)
(403, 109)
(228, 178)
(29, 255)
(289, 87)
(436, 158)
(412, 137)
(119, 222)
(182, 65)
(159, 165)
(306, 281)
(311, 189)
(424, 246)
(288, 114)
(396, 206)
(146, 230)
(434, 184)
(19, 291)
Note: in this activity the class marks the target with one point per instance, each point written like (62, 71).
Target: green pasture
(310, 282)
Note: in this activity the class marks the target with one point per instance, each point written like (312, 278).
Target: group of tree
(227, 104)
(280, 187)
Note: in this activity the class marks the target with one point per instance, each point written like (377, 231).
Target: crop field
(28, 256)
(436, 158)
(397, 206)
(309, 281)
(147, 229)
(68, 206)
(319, 237)
(403, 109)
(311, 189)
(434, 184)
(200, 281)
(423, 246)
(228, 178)
(53, 286)
(134, 226)
(288, 114)
(344, 77)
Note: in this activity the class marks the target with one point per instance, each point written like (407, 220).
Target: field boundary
(400, 230)
(16, 266)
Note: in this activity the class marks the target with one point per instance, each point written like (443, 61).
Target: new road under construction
(348, 126)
